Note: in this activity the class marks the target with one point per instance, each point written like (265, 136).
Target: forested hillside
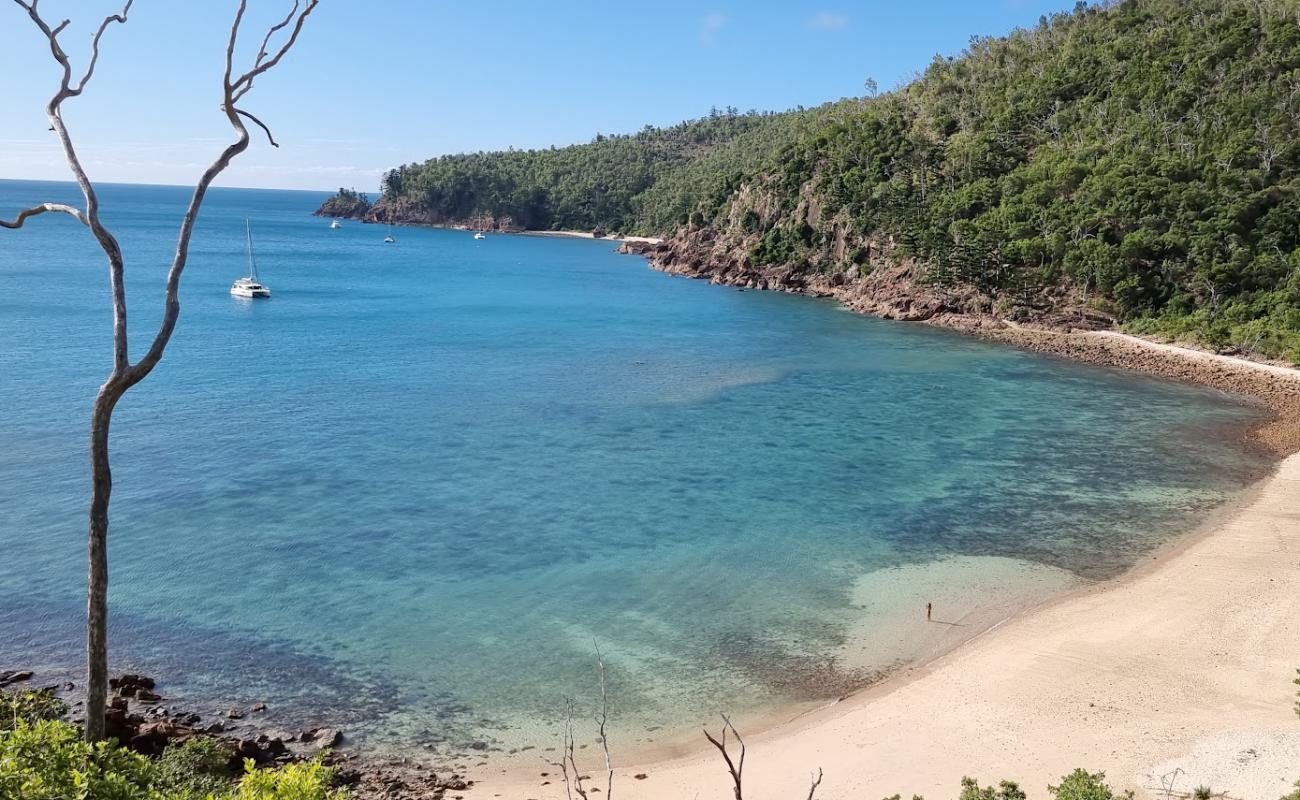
(639, 182)
(1140, 158)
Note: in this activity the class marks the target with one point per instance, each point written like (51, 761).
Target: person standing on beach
(929, 607)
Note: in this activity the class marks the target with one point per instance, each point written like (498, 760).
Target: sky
(373, 84)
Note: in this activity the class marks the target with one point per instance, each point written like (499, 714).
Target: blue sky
(382, 82)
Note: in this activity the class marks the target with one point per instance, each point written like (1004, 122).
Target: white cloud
(827, 21)
(713, 22)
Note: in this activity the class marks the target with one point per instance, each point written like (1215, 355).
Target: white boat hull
(238, 291)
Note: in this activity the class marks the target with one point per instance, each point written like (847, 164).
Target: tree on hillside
(125, 373)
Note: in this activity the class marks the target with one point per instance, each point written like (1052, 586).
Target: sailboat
(480, 235)
(249, 286)
(390, 238)
(335, 224)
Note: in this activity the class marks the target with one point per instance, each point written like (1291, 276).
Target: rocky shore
(145, 721)
(1052, 325)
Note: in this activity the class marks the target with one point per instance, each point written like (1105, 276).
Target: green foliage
(193, 770)
(1202, 792)
(44, 759)
(1007, 790)
(30, 705)
(47, 760)
(1083, 785)
(1108, 148)
(308, 780)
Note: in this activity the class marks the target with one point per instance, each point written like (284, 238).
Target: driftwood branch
(23, 215)
(735, 767)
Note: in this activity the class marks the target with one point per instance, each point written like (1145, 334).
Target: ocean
(414, 491)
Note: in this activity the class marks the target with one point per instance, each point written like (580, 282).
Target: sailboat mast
(252, 261)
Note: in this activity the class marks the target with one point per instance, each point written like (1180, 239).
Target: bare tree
(734, 766)
(126, 374)
(568, 764)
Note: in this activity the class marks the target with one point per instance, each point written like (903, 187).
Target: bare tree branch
(736, 768)
(94, 44)
(172, 305)
(260, 124)
(602, 720)
(244, 83)
(817, 781)
(54, 111)
(261, 51)
(41, 209)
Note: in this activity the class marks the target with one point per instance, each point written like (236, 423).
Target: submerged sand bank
(1186, 662)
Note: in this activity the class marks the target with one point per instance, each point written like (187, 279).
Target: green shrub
(197, 768)
(1007, 790)
(1083, 785)
(47, 760)
(309, 780)
(43, 759)
(31, 705)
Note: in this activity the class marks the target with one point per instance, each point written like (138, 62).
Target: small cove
(410, 491)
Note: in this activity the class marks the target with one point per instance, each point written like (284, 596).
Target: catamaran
(390, 238)
(480, 235)
(249, 286)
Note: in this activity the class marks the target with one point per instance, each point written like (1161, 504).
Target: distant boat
(390, 238)
(249, 286)
(480, 235)
(335, 224)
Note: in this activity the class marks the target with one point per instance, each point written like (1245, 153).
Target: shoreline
(894, 293)
(920, 701)
(1110, 676)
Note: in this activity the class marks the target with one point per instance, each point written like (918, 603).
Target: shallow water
(409, 492)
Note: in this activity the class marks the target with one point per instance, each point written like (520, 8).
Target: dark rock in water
(323, 737)
(235, 713)
(262, 749)
(118, 703)
(146, 696)
(129, 681)
(9, 677)
(258, 707)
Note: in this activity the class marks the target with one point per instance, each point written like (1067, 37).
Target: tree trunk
(97, 578)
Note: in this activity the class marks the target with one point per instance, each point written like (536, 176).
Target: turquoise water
(407, 493)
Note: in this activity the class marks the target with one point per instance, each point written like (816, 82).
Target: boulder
(323, 737)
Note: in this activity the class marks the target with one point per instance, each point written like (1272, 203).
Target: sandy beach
(1185, 663)
(590, 235)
